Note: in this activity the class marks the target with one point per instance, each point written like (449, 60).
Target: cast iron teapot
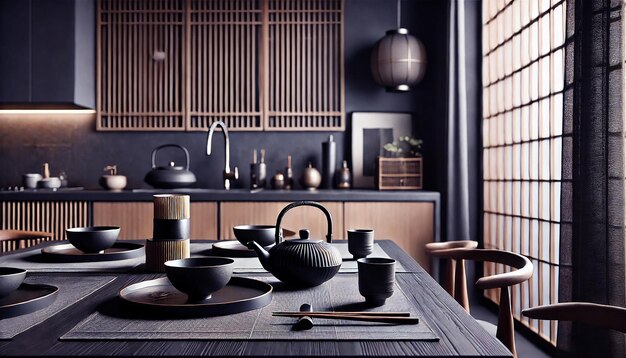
(301, 262)
(172, 176)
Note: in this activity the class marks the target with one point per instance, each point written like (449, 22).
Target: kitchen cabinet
(50, 216)
(256, 65)
(408, 224)
(135, 219)
(265, 213)
(47, 53)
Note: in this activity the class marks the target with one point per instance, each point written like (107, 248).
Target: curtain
(462, 119)
(592, 196)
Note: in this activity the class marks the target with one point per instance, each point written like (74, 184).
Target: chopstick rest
(304, 322)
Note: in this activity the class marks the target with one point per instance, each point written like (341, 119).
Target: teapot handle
(170, 145)
(279, 232)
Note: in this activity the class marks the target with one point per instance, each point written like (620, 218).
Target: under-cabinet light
(47, 111)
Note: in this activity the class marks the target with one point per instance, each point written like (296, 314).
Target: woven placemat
(71, 290)
(245, 265)
(113, 322)
(34, 261)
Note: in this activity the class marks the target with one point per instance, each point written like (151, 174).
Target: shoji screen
(523, 78)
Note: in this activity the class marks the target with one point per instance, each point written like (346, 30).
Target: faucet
(227, 174)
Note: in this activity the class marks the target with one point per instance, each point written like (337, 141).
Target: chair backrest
(523, 272)
(448, 277)
(11, 240)
(606, 316)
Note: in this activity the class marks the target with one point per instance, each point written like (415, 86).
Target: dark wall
(72, 144)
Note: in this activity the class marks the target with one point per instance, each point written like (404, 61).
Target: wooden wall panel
(265, 213)
(50, 216)
(410, 225)
(135, 219)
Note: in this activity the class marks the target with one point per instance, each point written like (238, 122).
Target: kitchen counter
(198, 194)
(410, 218)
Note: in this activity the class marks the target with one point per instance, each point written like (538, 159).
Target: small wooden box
(399, 173)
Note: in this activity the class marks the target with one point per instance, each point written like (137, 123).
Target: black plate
(27, 298)
(232, 248)
(161, 298)
(68, 253)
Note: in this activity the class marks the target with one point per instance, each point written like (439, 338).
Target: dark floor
(525, 348)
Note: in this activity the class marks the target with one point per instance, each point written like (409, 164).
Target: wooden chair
(505, 330)
(606, 316)
(11, 240)
(451, 269)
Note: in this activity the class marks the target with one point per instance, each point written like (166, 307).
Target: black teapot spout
(264, 256)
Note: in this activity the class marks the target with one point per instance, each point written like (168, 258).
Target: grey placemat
(245, 265)
(33, 261)
(339, 294)
(71, 290)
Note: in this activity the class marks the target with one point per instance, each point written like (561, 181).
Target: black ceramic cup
(377, 276)
(199, 277)
(10, 279)
(360, 242)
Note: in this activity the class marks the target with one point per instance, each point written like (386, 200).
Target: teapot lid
(172, 166)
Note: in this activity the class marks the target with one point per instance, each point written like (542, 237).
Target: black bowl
(199, 277)
(262, 234)
(93, 239)
(10, 279)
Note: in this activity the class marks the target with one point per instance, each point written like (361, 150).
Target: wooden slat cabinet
(135, 219)
(265, 213)
(410, 225)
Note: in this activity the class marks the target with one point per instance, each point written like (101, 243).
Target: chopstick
(347, 313)
(352, 317)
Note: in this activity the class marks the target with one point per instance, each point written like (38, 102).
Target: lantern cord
(399, 6)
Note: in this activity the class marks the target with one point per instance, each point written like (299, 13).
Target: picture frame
(370, 132)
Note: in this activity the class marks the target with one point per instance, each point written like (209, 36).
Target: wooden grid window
(523, 80)
(255, 64)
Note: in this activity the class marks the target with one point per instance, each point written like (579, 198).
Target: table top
(459, 333)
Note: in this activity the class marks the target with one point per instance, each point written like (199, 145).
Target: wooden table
(459, 333)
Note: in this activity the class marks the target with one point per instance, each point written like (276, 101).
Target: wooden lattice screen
(140, 65)
(255, 64)
(305, 83)
(523, 82)
(224, 64)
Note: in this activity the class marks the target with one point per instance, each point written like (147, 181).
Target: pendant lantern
(398, 60)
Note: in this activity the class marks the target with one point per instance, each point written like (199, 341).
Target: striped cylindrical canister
(171, 217)
(158, 252)
(170, 232)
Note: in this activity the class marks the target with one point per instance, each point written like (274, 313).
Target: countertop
(198, 194)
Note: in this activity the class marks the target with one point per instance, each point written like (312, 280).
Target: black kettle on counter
(172, 176)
